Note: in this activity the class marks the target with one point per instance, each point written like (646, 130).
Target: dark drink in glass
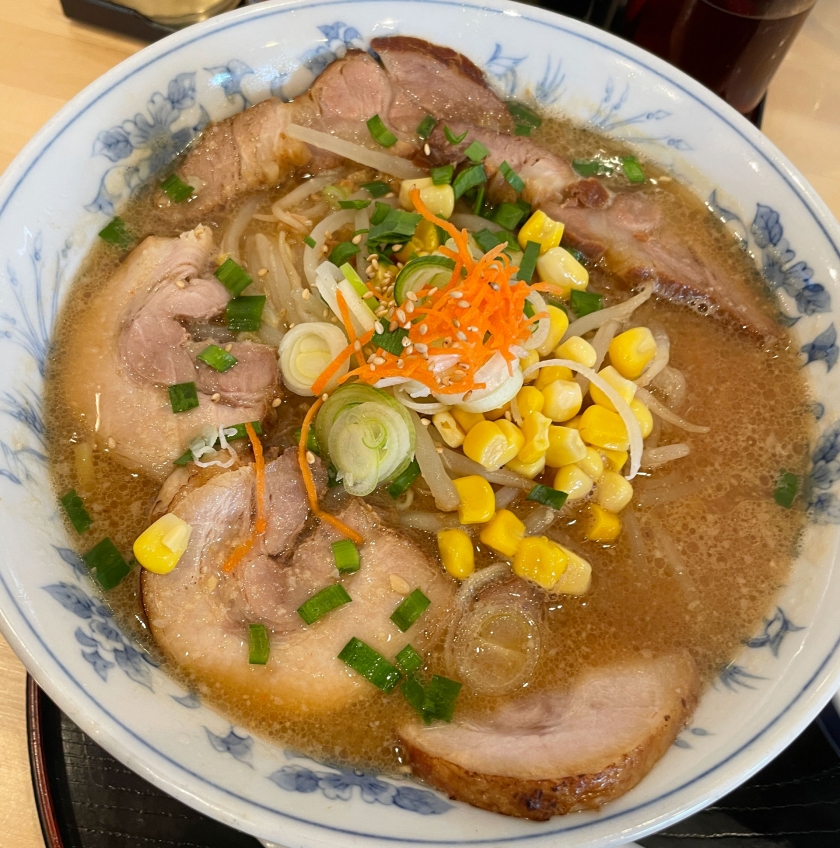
(732, 46)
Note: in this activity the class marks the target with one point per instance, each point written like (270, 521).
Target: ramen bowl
(123, 129)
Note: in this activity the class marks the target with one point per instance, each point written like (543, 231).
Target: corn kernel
(572, 480)
(559, 267)
(486, 444)
(527, 469)
(550, 373)
(541, 229)
(602, 526)
(540, 560)
(159, 547)
(408, 186)
(616, 459)
(578, 350)
(449, 429)
(626, 390)
(467, 420)
(527, 361)
(565, 446)
(535, 429)
(457, 553)
(603, 429)
(439, 200)
(504, 533)
(529, 399)
(614, 492)
(496, 414)
(592, 464)
(574, 423)
(558, 323)
(562, 400)
(515, 439)
(577, 577)
(643, 416)
(631, 351)
(478, 503)
(424, 241)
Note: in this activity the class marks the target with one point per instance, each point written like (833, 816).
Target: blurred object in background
(582, 9)
(178, 13)
(732, 46)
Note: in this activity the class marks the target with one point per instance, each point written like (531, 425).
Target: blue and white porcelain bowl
(89, 158)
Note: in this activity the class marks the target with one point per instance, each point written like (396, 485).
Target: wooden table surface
(46, 59)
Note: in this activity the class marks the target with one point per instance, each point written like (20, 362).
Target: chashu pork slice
(553, 753)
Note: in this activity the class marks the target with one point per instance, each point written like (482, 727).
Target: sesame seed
(392, 326)
(369, 270)
(426, 149)
(456, 294)
(456, 323)
(306, 294)
(456, 377)
(464, 365)
(367, 295)
(411, 296)
(324, 396)
(407, 325)
(462, 336)
(357, 238)
(372, 367)
(409, 350)
(472, 329)
(406, 341)
(409, 307)
(378, 360)
(371, 358)
(401, 316)
(423, 329)
(508, 416)
(228, 347)
(400, 363)
(276, 402)
(112, 442)
(215, 397)
(396, 247)
(421, 348)
(390, 194)
(357, 345)
(181, 284)
(379, 328)
(262, 272)
(293, 325)
(425, 422)
(464, 304)
(310, 458)
(438, 448)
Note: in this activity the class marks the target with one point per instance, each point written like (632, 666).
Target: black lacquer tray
(86, 799)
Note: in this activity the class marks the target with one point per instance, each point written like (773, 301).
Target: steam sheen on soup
(562, 620)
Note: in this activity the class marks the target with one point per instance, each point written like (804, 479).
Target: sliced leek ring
(306, 350)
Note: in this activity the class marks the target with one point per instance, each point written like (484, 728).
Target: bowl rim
(801, 707)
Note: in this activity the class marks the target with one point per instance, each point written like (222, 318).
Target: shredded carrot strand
(309, 481)
(261, 522)
(329, 372)
(345, 316)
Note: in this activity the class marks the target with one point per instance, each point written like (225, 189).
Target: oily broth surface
(712, 559)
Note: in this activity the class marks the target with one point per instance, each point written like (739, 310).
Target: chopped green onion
(380, 213)
(244, 313)
(786, 489)
(325, 601)
(343, 251)
(392, 342)
(592, 167)
(513, 179)
(380, 132)
(478, 203)
(311, 440)
(523, 115)
(529, 261)
(441, 694)
(577, 255)
(233, 277)
(547, 496)
(404, 480)
(76, 512)
(310, 242)
(522, 129)
(183, 397)
(524, 206)
(409, 660)
(346, 556)
(529, 310)
(116, 232)
(424, 130)
(397, 226)
(376, 189)
(442, 175)
(632, 169)
(258, 645)
(584, 302)
(176, 189)
(486, 239)
(476, 152)
(239, 432)
(410, 610)
(469, 178)
(370, 664)
(334, 194)
(508, 215)
(452, 138)
(106, 564)
(354, 204)
(441, 234)
(415, 694)
(217, 358)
